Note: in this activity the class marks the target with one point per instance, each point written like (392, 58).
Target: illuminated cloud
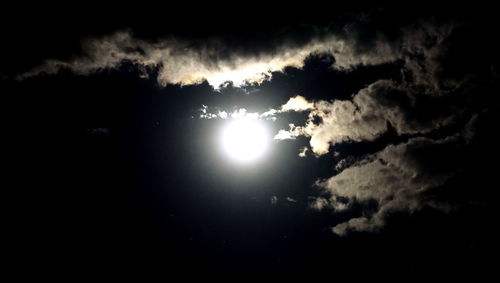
(297, 103)
(241, 113)
(303, 152)
(396, 178)
(417, 104)
(367, 115)
(181, 62)
(424, 109)
(284, 135)
(184, 62)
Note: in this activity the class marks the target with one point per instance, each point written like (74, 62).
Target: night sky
(380, 149)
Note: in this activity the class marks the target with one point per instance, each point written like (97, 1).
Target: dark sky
(112, 170)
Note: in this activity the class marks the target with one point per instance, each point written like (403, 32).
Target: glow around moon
(245, 140)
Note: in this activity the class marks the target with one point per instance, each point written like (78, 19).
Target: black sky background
(150, 194)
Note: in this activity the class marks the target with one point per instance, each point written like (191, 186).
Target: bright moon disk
(245, 140)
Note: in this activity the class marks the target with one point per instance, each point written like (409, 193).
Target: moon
(245, 140)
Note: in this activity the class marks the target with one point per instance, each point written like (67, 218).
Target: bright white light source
(245, 140)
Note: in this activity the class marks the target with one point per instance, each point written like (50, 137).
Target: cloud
(368, 114)
(186, 62)
(274, 200)
(297, 103)
(318, 203)
(240, 113)
(182, 62)
(425, 108)
(425, 99)
(428, 109)
(420, 45)
(396, 179)
(284, 135)
(303, 151)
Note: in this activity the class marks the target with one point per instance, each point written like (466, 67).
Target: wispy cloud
(185, 63)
